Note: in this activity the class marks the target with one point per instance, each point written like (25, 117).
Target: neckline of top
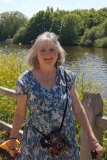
(43, 87)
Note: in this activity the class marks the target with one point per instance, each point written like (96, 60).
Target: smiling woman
(49, 48)
(49, 91)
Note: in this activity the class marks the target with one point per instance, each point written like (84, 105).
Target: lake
(92, 62)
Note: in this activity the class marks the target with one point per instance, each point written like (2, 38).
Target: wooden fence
(93, 106)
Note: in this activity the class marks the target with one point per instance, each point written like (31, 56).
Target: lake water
(90, 61)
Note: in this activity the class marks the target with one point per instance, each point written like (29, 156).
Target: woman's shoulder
(23, 82)
(25, 76)
(64, 71)
(67, 75)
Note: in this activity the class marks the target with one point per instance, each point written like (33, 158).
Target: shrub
(19, 37)
(11, 66)
(102, 42)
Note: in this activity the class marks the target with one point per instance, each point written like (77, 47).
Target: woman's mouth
(48, 59)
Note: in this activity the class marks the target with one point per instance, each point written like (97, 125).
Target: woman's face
(47, 55)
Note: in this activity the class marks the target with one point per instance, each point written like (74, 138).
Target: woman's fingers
(100, 150)
(13, 153)
(97, 148)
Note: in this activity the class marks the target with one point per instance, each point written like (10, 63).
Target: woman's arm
(80, 115)
(18, 119)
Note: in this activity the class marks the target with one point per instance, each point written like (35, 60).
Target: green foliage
(102, 42)
(86, 43)
(70, 26)
(19, 37)
(105, 109)
(88, 38)
(10, 22)
(11, 66)
(39, 23)
(101, 30)
(92, 18)
(102, 14)
(95, 37)
(7, 108)
(56, 22)
(105, 27)
(69, 29)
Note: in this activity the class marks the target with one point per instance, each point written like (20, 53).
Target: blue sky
(30, 7)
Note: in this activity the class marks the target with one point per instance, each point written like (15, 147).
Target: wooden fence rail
(8, 92)
(93, 106)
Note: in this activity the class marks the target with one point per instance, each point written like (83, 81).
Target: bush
(102, 42)
(19, 37)
(88, 38)
(87, 43)
(11, 66)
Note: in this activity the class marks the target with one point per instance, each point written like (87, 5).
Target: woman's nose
(48, 52)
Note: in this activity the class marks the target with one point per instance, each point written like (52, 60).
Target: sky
(31, 7)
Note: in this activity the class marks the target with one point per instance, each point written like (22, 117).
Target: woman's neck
(46, 78)
(47, 70)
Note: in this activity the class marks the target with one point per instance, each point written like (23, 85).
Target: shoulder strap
(66, 102)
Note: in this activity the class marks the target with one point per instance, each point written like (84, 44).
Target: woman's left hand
(98, 148)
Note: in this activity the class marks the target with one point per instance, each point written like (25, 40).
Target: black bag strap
(33, 127)
(66, 102)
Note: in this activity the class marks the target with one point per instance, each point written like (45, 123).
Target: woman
(46, 89)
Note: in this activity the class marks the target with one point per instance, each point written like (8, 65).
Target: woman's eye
(42, 50)
(52, 50)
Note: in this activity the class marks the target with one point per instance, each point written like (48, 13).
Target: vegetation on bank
(96, 36)
(85, 27)
(11, 66)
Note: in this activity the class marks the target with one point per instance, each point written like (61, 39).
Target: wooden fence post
(93, 106)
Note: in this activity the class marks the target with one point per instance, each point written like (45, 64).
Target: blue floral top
(46, 111)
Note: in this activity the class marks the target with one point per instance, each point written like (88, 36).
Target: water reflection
(89, 60)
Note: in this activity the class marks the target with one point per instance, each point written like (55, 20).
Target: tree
(89, 37)
(102, 14)
(56, 22)
(69, 29)
(20, 37)
(39, 23)
(70, 26)
(10, 22)
(96, 36)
